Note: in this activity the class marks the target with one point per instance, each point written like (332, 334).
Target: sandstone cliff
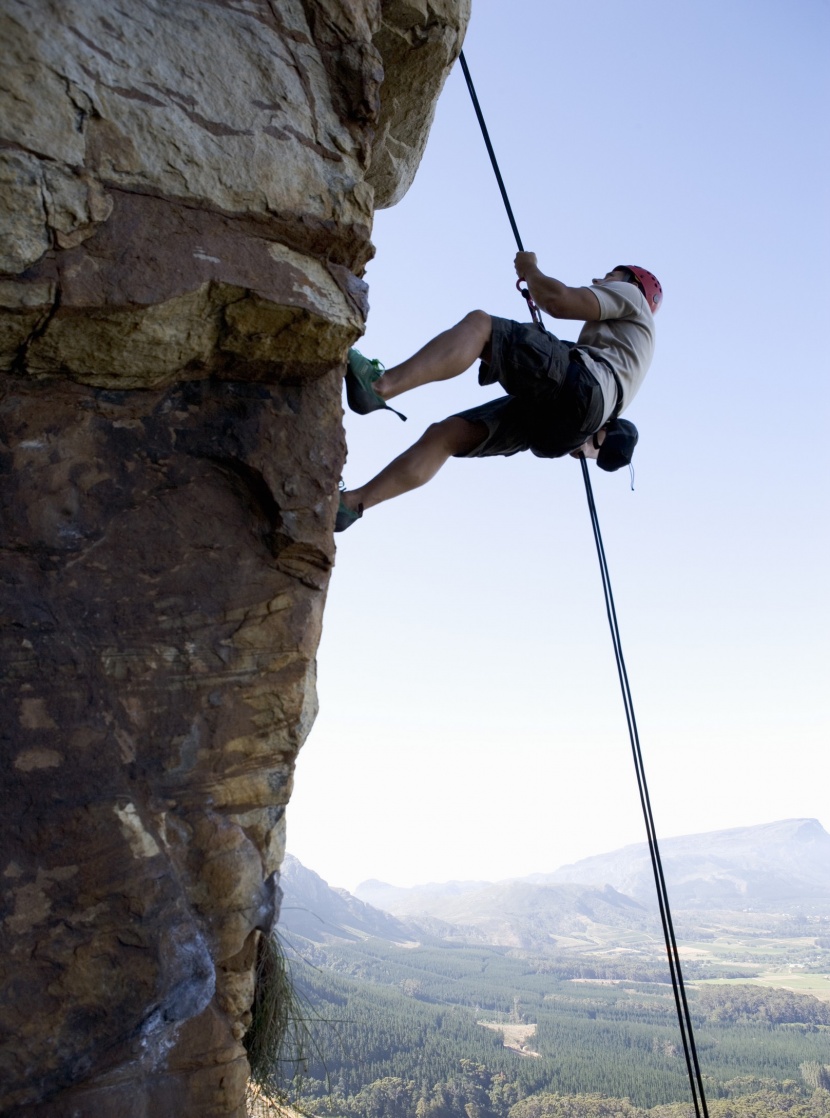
(186, 202)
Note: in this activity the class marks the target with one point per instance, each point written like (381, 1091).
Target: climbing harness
(681, 1003)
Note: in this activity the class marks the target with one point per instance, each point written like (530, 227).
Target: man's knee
(481, 322)
(457, 435)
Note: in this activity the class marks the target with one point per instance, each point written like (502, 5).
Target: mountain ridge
(760, 865)
(605, 901)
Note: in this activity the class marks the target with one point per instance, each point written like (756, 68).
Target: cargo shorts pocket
(534, 370)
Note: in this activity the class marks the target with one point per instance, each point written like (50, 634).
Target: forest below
(384, 1031)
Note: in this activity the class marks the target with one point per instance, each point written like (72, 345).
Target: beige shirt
(623, 339)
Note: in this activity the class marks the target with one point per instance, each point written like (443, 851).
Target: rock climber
(562, 397)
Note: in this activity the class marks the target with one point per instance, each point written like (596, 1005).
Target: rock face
(186, 201)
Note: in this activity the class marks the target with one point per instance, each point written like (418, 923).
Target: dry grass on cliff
(278, 1034)
(280, 1037)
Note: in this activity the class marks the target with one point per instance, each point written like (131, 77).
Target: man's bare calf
(416, 466)
(446, 356)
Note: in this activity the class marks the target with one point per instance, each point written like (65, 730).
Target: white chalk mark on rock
(142, 843)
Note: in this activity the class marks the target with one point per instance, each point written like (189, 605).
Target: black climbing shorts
(554, 403)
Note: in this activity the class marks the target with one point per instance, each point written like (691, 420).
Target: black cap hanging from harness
(618, 445)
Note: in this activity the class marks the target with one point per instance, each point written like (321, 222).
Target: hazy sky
(470, 720)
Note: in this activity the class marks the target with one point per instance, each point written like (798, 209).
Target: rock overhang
(200, 180)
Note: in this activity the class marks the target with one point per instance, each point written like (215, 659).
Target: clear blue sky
(471, 724)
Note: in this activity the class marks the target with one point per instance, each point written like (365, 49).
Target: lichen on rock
(186, 198)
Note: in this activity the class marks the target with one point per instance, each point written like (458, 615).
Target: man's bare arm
(554, 297)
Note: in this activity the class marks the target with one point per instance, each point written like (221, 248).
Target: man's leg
(446, 356)
(423, 460)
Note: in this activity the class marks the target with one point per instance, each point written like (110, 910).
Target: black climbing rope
(534, 310)
(490, 151)
(681, 1004)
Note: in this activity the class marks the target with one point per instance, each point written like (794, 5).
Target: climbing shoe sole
(346, 517)
(361, 374)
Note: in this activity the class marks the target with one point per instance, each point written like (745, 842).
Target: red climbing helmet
(650, 285)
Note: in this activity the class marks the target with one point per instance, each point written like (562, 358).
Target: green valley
(549, 999)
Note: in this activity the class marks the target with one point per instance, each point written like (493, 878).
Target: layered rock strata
(186, 202)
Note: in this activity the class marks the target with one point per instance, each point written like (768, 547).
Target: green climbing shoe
(346, 517)
(361, 374)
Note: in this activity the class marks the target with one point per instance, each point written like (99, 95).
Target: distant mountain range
(763, 867)
(781, 867)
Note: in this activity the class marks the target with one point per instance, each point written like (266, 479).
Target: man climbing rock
(562, 397)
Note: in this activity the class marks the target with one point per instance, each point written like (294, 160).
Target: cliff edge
(186, 198)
